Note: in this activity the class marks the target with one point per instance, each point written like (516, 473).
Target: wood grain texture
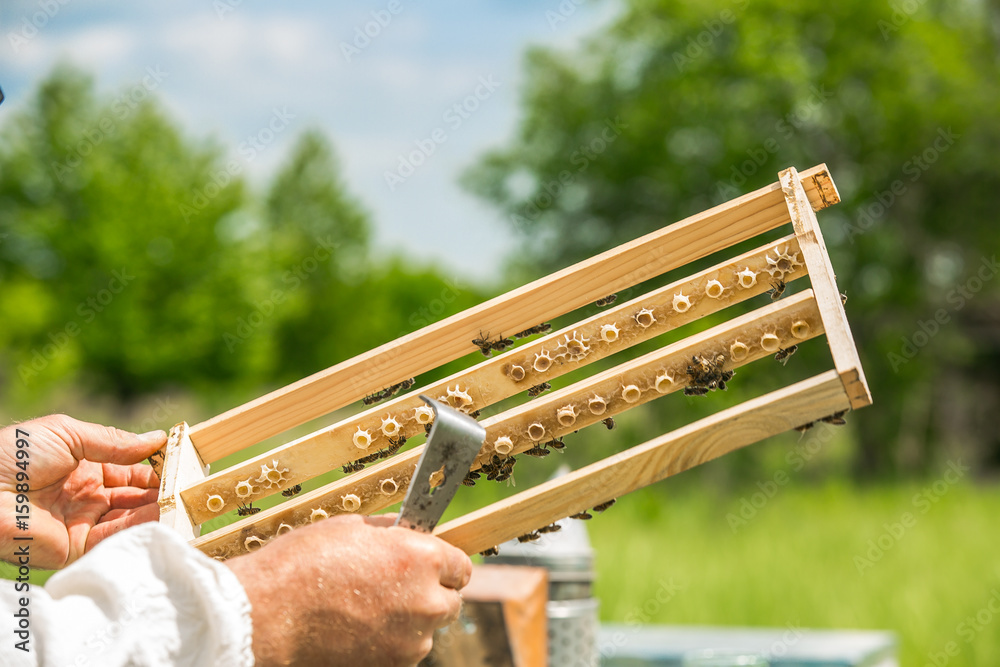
(775, 318)
(541, 300)
(824, 282)
(181, 467)
(491, 381)
(648, 463)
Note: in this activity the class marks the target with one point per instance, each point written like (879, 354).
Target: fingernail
(153, 435)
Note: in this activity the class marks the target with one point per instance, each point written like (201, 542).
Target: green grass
(794, 562)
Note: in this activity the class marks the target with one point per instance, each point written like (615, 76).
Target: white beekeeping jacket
(142, 597)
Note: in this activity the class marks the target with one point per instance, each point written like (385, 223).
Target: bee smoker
(571, 609)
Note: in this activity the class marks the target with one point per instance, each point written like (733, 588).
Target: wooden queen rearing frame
(189, 495)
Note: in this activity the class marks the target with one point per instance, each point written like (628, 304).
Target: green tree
(679, 106)
(116, 266)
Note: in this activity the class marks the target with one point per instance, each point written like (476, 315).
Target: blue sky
(230, 64)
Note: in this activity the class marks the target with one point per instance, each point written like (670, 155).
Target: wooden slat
(367, 485)
(543, 299)
(824, 282)
(181, 467)
(645, 464)
(490, 381)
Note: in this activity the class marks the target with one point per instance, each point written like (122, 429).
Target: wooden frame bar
(645, 464)
(368, 488)
(824, 281)
(181, 467)
(543, 299)
(492, 381)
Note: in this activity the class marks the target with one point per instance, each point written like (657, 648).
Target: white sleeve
(142, 597)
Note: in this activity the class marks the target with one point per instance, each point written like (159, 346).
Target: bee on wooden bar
(529, 537)
(606, 505)
(606, 301)
(777, 289)
(394, 446)
(470, 479)
(537, 329)
(475, 414)
(843, 299)
(608, 422)
(501, 344)
(427, 428)
(837, 418)
(292, 490)
(539, 388)
(537, 451)
(584, 516)
(356, 466)
(551, 528)
(247, 510)
(802, 428)
(706, 374)
(483, 343)
(556, 444)
(695, 391)
(492, 551)
(785, 353)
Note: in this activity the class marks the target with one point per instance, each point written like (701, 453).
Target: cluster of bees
(394, 446)
(497, 469)
(543, 450)
(706, 375)
(388, 392)
(551, 528)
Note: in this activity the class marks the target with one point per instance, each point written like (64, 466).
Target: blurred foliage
(134, 259)
(677, 107)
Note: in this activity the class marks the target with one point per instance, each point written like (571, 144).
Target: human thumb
(106, 444)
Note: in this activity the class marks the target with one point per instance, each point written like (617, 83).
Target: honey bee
(802, 428)
(777, 289)
(483, 343)
(556, 444)
(584, 516)
(529, 537)
(501, 344)
(606, 505)
(537, 329)
(609, 422)
(606, 301)
(837, 418)
(292, 490)
(470, 478)
(539, 388)
(537, 451)
(492, 551)
(843, 299)
(695, 391)
(394, 446)
(247, 510)
(706, 374)
(356, 466)
(475, 414)
(427, 428)
(785, 353)
(551, 528)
